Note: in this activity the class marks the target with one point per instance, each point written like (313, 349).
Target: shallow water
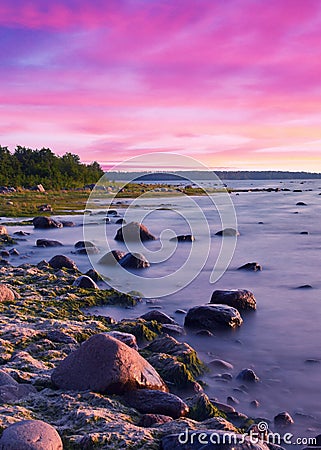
(282, 334)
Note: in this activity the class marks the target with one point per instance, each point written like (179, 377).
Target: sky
(235, 84)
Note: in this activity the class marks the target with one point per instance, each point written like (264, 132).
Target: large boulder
(240, 299)
(6, 294)
(148, 401)
(46, 222)
(134, 231)
(62, 261)
(48, 243)
(213, 316)
(134, 261)
(30, 435)
(3, 230)
(106, 365)
(111, 258)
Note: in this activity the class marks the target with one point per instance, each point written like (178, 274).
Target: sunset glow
(235, 84)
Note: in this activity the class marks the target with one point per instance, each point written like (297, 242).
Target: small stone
(221, 364)
(14, 252)
(3, 230)
(213, 316)
(180, 311)
(251, 267)
(248, 375)
(134, 231)
(30, 435)
(85, 282)
(46, 222)
(48, 243)
(232, 400)
(255, 403)
(111, 258)
(205, 333)
(183, 238)
(283, 420)
(301, 204)
(240, 299)
(157, 402)
(159, 316)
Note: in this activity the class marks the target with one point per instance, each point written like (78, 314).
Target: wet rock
(240, 299)
(304, 232)
(60, 336)
(248, 375)
(86, 247)
(255, 403)
(3, 230)
(48, 243)
(85, 282)
(21, 233)
(301, 204)
(149, 420)
(213, 316)
(157, 402)
(46, 222)
(159, 316)
(180, 311)
(6, 294)
(232, 400)
(67, 223)
(106, 365)
(134, 261)
(30, 435)
(14, 252)
(305, 286)
(173, 330)
(201, 407)
(252, 267)
(134, 231)
(112, 212)
(93, 274)
(111, 258)
(227, 232)
(221, 364)
(223, 407)
(183, 238)
(4, 254)
(120, 222)
(62, 261)
(283, 420)
(205, 333)
(127, 338)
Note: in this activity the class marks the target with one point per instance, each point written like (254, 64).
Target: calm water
(285, 330)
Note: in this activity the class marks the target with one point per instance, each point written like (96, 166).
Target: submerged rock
(134, 231)
(106, 365)
(227, 232)
(30, 435)
(134, 261)
(213, 316)
(46, 222)
(157, 402)
(48, 243)
(248, 375)
(240, 299)
(283, 420)
(60, 261)
(252, 266)
(183, 238)
(111, 258)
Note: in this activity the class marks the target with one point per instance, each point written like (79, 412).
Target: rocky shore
(101, 383)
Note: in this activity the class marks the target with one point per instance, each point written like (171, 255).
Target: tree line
(26, 167)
